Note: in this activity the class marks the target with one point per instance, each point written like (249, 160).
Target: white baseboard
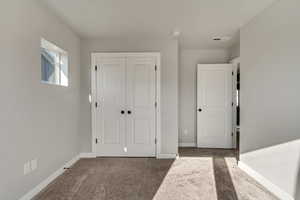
(265, 182)
(167, 156)
(87, 155)
(187, 144)
(48, 180)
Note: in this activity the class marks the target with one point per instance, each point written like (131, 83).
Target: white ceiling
(197, 20)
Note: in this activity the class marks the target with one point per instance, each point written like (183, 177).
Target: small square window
(54, 64)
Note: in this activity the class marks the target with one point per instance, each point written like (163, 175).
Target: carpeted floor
(198, 174)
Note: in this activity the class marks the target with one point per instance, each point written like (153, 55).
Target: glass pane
(50, 66)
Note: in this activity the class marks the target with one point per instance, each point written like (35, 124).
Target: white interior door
(140, 137)
(214, 101)
(111, 100)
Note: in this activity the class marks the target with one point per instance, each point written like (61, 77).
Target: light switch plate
(33, 164)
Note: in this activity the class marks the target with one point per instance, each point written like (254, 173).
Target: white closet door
(214, 112)
(111, 97)
(140, 137)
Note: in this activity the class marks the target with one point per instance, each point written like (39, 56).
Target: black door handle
(122, 112)
(129, 112)
(200, 110)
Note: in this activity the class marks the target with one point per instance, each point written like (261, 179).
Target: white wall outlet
(33, 164)
(27, 168)
(185, 132)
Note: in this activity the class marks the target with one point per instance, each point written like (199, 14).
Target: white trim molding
(48, 180)
(265, 182)
(167, 156)
(187, 144)
(87, 155)
(235, 61)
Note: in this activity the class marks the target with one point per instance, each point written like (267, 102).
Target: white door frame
(235, 62)
(94, 93)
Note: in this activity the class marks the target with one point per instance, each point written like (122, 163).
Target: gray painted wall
(270, 99)
(188, 88)
(234, 51)
(169, 87)
(37, 120)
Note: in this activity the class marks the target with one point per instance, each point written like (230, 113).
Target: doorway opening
(218, 107)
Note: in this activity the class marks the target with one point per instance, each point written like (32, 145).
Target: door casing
(93, 95)
(235, 62)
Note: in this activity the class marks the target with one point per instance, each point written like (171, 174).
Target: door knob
(129, 112)
(200, 110)
(122, 112)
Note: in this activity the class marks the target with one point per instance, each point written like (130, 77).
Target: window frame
(60, 52)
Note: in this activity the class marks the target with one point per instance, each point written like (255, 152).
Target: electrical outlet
(27, 168)
(33, 164)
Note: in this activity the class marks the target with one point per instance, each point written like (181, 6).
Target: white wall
(169, 87)
(270, 98)
(188, 90)
(234, 51)
(37, 120)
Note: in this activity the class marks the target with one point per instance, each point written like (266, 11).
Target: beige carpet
(198, 174)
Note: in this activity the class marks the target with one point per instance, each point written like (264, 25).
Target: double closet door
(125, 116)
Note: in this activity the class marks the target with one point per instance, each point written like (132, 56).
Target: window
(54, 64)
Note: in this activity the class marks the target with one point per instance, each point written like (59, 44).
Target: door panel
(141, 131)
(214, 121)
(214, 90)
(110, 124)
(141, 102)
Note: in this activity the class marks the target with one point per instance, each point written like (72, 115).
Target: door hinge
(232, 134)
(155, 67)
(155, 104)
(155, 141)
(96, 104)
(232, 73)
(232, 104)
(96, 140)
(96, 68)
